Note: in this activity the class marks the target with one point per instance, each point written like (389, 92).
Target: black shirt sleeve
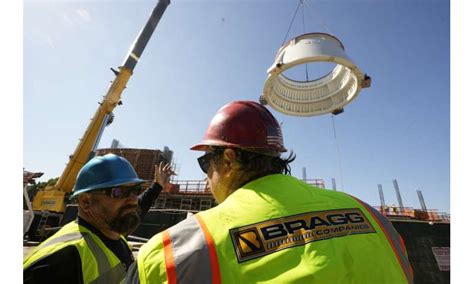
(147, 198)
(132, 274)
(63, 266)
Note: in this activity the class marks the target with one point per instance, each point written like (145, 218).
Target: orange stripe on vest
(387, 236)
(216, 273)
(169, 261)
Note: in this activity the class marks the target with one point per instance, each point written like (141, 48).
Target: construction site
(47, 208)
(426, 231)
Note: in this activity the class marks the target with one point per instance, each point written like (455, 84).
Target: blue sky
(207, 53)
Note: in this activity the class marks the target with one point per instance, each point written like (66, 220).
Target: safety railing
(201, 187)
(316, 182)
(415, 214)
(191, 187)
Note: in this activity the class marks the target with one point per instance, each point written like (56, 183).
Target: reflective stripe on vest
(190, 254)
(60, 239)
(216, 274)
(107, 273)
(393, 238)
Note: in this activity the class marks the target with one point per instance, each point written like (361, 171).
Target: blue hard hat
(103, 172)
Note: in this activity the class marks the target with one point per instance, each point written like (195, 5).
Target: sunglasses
(121, 191)
(205, 161)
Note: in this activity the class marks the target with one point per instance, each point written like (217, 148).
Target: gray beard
(125, 224)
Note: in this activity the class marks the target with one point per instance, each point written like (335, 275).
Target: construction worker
(269, 226)
(93, 248)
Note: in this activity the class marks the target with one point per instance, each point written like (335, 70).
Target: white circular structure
(328, 94)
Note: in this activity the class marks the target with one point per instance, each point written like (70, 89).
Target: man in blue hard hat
(93, 248)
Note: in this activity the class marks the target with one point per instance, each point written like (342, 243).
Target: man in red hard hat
(269, 226)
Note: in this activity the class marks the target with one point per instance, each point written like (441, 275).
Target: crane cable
(337, 150)
(304, 31)
(301, 4)
(322, 22)
(292, 20)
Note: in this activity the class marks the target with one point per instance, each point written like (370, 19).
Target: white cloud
(41, 37)
(84, 15)
(49, 40)
(66, 18)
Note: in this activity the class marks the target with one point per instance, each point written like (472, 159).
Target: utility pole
(422, 200)
(399, 197)
(382, 199)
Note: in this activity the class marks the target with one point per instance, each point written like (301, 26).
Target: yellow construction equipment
(53, 198)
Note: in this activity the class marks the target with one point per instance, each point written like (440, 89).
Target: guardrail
(199, 187)
(416, 214)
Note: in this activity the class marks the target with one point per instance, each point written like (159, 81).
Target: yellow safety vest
(99, 263)
(279, 229)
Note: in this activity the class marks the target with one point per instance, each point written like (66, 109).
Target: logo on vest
(270, 236)
(249, 242)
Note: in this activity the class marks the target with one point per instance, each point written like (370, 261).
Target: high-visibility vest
(99, 263)
(279, 229)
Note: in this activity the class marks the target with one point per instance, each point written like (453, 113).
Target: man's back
(281, 230)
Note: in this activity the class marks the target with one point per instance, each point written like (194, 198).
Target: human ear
(229, 157)
(85, 202)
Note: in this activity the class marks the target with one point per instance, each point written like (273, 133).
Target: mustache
(126, 207)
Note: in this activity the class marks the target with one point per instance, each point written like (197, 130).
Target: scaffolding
(408, 213)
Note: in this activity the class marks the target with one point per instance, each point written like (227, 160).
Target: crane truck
(50, 202)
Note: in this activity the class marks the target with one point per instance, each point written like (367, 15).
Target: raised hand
(163, 172)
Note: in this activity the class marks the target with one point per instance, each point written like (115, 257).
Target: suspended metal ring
(328, 94)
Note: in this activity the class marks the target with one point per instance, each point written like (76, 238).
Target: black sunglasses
(205, 161)
(121, 191)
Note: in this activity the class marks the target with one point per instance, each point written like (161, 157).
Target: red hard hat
(243, 124)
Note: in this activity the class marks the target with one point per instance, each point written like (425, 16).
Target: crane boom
(52, 198)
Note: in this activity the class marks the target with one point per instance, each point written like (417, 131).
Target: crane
(52, 199)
